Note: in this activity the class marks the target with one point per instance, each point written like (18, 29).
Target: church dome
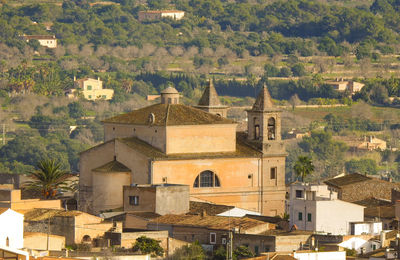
(170, 90)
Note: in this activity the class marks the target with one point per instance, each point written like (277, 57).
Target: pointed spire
(210, 97)
(263, 101)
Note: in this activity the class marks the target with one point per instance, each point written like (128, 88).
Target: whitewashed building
(11, 229)
(314, 207)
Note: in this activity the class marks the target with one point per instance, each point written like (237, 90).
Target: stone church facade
(178, 144)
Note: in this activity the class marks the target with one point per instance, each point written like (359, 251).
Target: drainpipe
(150, 180)
(259, 187)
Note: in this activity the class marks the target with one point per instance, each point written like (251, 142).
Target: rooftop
(210, 222)
(42, 214)
(242, 151)
(210, 97)
(167, 115)
(346, 180)
(161, 11)
(264, 102)
(198, 208)
(380, 212)
(113, 166)
(373, 202)
(39, 37)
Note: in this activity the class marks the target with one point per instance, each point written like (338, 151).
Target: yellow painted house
(91, 89)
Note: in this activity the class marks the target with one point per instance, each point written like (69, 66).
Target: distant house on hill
(346, 85)
(49, 41)
(158, 14)
(91, 89)
(368, 143)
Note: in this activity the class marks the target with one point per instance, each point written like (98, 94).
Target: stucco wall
(91, 159)
(337, 221)
(240, 180)
(159, 199)
(108, 190)
(153, 135)
(201, 138)
(134, 160)
(38, 241)
(12, 227)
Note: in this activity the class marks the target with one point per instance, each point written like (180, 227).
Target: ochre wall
(153, 135)
(239, 177)
(201, 138)
(91, 159)
(134, 160)
(108, 190)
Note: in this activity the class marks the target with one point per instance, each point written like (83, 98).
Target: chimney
(203, 213)
(74, 78)
(98, 78)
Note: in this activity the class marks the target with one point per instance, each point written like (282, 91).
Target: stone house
(158, 14)
(344, 85)
(174, 143)
(49, 41)
(356, 187)
(75, 226)
(90, 89)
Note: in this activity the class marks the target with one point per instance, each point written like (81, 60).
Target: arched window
(256, 129)
(206, 179)
(271, 128)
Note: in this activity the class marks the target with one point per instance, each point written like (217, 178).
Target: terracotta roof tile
(346, 180)
(242, 151)
(168, 114)
(197, 208)
(211, 222)
(42, 214)
(113, 166)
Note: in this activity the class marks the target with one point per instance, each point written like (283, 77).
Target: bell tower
(264, 124)
(210, 102)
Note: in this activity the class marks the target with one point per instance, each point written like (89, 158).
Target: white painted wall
(335, 216)
(357, 243)
(336, 255)
(328, 214)
(367, 228)
(238, 212)
(12, 227)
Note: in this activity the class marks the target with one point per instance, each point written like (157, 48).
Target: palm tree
(303, 167)
(48, 178)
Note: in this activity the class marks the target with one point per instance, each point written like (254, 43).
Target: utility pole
(4, 134)
(48, 233)
(229, 251)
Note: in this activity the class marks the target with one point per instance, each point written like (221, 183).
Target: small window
(89, 87)
(103, 96)
(271, 128)
(213, 238)
(299, 194)
(273, 173)
(90, 96)
(256, 132)
(134, 200)
(256, 250)
(300, 216)
(223, 241)
(309, 217)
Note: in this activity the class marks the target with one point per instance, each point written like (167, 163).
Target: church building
(198, 146)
